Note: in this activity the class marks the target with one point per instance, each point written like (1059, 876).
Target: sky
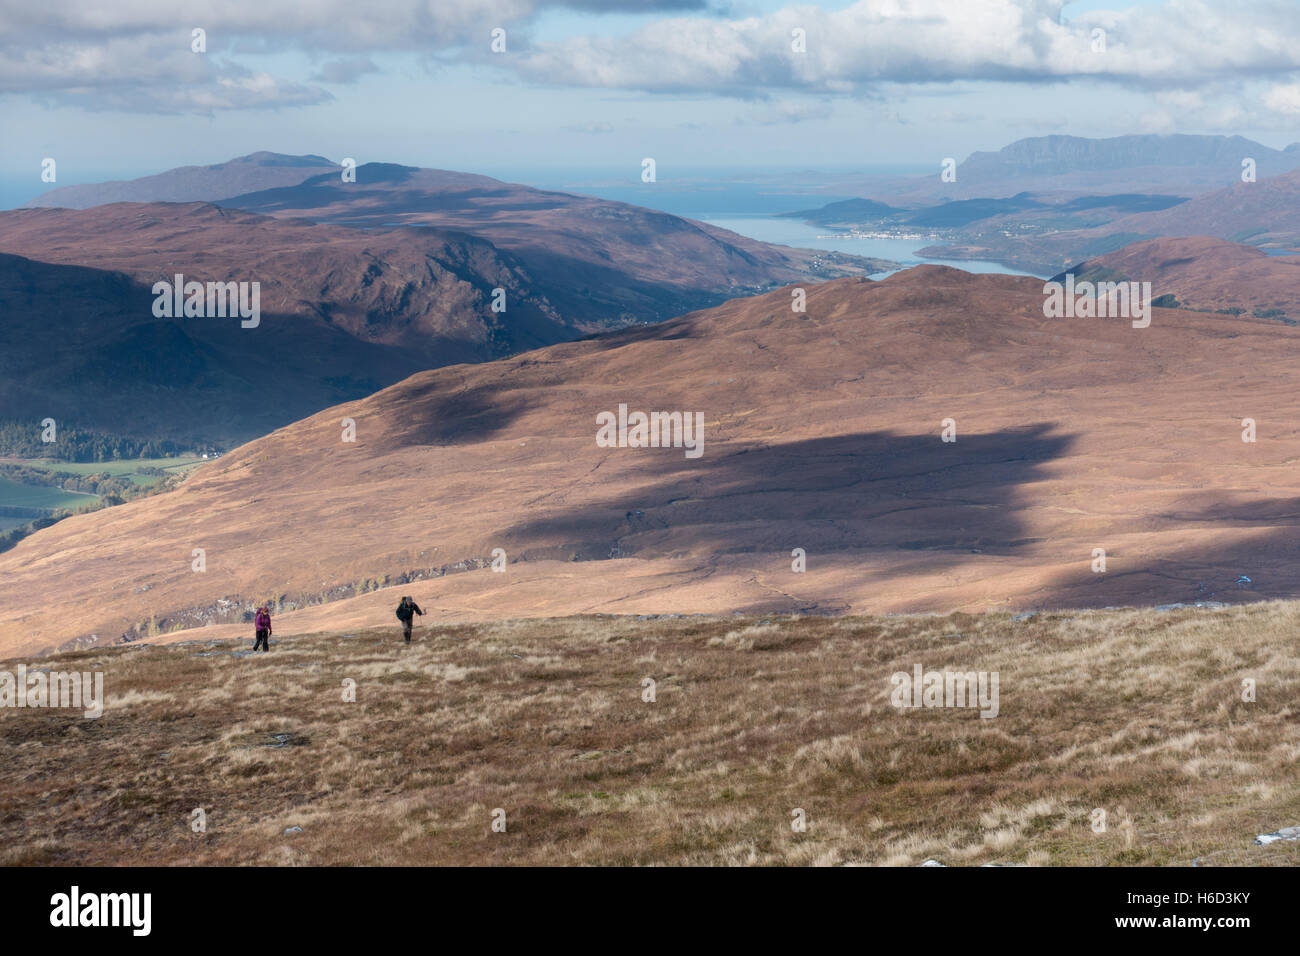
(116, 90)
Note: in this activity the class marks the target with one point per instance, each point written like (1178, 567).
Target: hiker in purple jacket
(262, 624)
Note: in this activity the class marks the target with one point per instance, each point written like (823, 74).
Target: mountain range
(1264, 213)
(260, 170)
(1173, 164)
(415, 268)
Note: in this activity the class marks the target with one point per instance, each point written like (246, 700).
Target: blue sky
(693, 84)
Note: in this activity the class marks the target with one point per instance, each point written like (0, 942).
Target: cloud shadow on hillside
(872, 490)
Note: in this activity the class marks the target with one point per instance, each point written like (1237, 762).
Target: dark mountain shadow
(1260, 561)
(670, 331)
(82, 345)
(1257, 566)
(877, 491)
(470, 415)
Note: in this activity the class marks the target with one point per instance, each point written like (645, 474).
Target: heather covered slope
(822, 432)
(1135, 713)
(1201, 272)
(610, 262)
(344, 313)
(361, 285)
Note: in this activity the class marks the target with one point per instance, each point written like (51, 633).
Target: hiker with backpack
(262, 627)
(406, 612)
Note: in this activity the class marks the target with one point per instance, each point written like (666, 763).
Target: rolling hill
(344, 313)
(608, 262)
(1207, 274)
(261, 170)
(821, 432)
(362, 284)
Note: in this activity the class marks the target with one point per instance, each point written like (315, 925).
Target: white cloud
(345, 70)
(1182, 43)
(146, 74)
(135, 54)
(785, 112)
(1284, 99)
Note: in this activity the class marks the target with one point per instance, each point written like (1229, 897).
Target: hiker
(262, 623)
(406, 612)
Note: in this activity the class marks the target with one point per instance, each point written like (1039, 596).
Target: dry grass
(1135, 712)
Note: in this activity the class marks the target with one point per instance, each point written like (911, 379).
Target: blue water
(14, 191)
(18, 189)
(793, 232)
(751, 204)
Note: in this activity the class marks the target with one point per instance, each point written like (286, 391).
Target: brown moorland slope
(344, 312)
(1132, 712)
(1265, 213)
(1205, 273)
(613, 261)
(423, 289)
(822, 432)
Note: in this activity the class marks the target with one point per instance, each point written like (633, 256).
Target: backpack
(403, 612)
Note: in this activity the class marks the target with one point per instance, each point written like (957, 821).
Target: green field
(13, 494)
(129, 467)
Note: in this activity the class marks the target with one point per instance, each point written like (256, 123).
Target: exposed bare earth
(1120, 738)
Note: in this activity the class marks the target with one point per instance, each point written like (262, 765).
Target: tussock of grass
(1134, 712)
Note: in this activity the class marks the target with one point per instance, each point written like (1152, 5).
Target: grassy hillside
(15, 494)
(1135, 712)
(136, 469)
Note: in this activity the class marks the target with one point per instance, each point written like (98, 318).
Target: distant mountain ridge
(1173, 164)
(608, 263)
(1057, 155)
(345, 312)
(260, 170)
(362, 284)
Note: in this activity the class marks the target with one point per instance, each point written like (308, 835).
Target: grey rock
(1208, 605)
(1286, 833)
